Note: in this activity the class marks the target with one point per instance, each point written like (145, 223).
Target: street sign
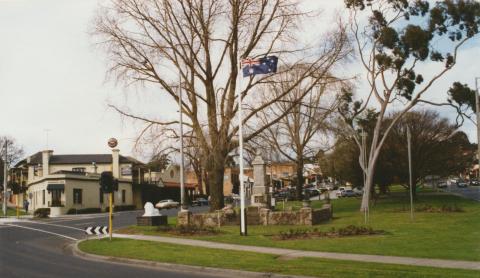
(98, 230)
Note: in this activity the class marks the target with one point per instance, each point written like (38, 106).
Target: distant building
(281, 174)
(71, 181)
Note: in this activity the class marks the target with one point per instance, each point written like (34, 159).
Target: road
(469, 192)
(43, 249)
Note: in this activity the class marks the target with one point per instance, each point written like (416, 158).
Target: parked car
(339, 191)
(348, 193)
(474, 182)
(167, 204)
(442, 184)
(358, 191)
(200, 202)
(462, 184)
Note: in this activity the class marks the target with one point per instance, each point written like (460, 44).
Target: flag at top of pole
(263, 65)
(251, 67)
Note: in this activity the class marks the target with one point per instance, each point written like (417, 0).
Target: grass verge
(442, 235)
(179, 254)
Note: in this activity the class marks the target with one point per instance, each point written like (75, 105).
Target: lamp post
(409, 145)
(5, 166)
(183, 207)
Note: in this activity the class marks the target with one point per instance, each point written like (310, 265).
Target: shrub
(350, 230)
(41, 213)
(188, 230)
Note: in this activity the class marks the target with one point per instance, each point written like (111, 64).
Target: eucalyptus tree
(394, 39)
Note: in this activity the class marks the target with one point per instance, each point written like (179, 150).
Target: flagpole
(243, 230)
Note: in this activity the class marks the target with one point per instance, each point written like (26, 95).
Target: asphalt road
(469, 192)
(43, 249)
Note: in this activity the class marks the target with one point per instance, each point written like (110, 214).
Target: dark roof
(79, 159)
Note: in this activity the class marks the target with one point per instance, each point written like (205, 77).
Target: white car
(166, 204)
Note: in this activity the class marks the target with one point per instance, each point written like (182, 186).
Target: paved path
(325, 255)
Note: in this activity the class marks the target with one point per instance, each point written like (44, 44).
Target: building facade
(66, 183)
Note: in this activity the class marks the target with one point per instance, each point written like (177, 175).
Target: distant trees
(438, 149)
(14, 154)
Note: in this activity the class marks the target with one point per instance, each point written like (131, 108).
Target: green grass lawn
(170, 253)
(13, 212)
(452, 235)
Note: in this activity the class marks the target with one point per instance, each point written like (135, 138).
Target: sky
(53, 79)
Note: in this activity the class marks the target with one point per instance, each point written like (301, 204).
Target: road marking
(63, 226)
(82, 224)
(43, 231)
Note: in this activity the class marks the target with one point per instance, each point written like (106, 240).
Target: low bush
(350, 230)
(41, 213)
(84, 210)
(433, 209)
(188, 230)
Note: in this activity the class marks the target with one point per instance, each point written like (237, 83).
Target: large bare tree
(303, 132)
(394, 38)
(158, 42)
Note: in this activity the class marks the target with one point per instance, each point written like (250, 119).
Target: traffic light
(115, 184)
(107, 182)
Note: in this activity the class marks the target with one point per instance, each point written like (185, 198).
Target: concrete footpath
(290, 253)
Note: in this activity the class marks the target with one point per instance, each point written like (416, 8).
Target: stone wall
(257, 216)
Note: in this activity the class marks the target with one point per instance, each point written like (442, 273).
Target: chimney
(46, 162)
(116, 163)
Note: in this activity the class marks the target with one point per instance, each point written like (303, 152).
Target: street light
(182, 179)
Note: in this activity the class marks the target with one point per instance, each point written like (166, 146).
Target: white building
(66, 183)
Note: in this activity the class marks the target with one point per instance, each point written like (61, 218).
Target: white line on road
(42, 231)
(56, 225)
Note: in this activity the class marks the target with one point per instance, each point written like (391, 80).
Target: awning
(51, 187)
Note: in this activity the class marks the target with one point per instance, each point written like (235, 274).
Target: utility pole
(5, 171)
(409, 143)
(477, 112)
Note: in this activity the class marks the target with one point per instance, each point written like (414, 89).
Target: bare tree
(14, 153)
(203, 42)
(393, 38)
(301, 133)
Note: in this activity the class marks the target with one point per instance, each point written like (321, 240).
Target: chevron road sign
(98, 230)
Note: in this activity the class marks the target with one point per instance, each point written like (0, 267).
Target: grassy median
(179, 254)
(433, 234)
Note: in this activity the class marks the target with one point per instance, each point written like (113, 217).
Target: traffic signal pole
(110, 197)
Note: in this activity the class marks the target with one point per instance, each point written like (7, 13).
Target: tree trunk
(216, 172)
(300, 180)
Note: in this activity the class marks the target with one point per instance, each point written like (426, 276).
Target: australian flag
(263, 65)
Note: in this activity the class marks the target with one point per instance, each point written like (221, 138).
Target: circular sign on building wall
(112, 142)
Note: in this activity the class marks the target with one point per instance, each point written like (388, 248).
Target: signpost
(97, 230)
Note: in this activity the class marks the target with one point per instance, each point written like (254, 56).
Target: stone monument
(151, 217)
(260, 196)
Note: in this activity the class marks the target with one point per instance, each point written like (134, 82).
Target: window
(172, 173)
(79, 169)
(43, 197)
(77, 196)
(101, 195)
(124, 193)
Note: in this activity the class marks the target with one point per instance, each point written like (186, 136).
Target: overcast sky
(52, 78)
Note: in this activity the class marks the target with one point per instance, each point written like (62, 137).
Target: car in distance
(348, 193)
(474, 182)
(167, 204)
(200, 202)
(442, 184)
(462, 184)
